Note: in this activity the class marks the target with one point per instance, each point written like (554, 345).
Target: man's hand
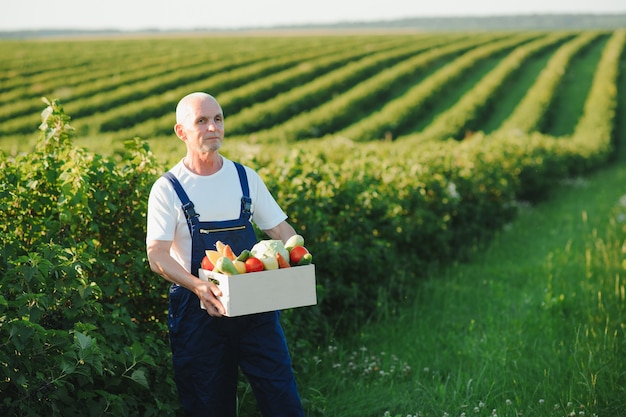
(208, 292)
(163, 264)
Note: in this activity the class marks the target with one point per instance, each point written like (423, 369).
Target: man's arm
(281, 232)
(163, 264)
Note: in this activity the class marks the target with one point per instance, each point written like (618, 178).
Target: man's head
(200, 122)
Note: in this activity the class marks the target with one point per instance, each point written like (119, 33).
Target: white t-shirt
(215, 197)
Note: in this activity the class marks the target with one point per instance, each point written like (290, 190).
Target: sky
(236, 14)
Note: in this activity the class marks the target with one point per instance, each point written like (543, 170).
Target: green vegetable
(306, 259)
(245, 254)
(226, 266)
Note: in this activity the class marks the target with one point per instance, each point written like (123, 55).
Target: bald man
(202, 199)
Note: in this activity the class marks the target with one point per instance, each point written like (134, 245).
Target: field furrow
(569, 100)
(370, 87)
(454, 122)
(305, 97)
(395, 116)
(419, 87)
(305, 69)
(530, 112)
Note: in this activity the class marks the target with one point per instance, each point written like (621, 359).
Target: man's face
(203, 126)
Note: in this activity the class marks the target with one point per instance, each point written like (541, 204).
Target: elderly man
(204, 198)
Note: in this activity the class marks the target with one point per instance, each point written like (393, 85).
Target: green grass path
(519, 328)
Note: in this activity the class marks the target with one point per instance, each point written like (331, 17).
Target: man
(202, 199)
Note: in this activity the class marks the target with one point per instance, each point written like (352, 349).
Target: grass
(533, 325)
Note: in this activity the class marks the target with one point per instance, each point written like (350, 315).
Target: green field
(293, 88)
(533, 325)
(399, 156)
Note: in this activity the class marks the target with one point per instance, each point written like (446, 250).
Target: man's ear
(178, 129)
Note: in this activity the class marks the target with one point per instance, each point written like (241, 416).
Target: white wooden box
(257, 292)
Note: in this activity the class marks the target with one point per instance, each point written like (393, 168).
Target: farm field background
(395, 154)
(290, 89)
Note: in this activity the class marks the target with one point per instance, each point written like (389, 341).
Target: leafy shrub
(80, 316)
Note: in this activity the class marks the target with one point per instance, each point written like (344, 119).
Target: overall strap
(246, 201)
(187, 205)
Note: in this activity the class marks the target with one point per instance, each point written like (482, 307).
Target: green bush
(80, 317)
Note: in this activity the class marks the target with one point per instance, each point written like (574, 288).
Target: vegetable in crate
(300, 256)
(266, 251)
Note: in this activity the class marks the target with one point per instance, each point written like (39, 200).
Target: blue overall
(207, 351)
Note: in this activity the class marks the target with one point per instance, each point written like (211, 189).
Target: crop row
(125, 100)
(333, 85)
(265, 88)
(393, 117)
(82, 73)
(285, 89)
(530, 112)
(222, 76)
(83, 83)
(39, 61)
(286, 69)
(451, 122)
(345, 108)
(138, 84)
(366, 95)
(47, 65)
(150, 78)
(293, 90)
(597, 125)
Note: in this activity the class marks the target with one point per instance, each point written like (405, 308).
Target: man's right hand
(163, 264)
(208, 292)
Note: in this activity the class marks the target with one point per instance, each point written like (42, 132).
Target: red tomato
(297, 253)
(206, 264)
(254, 264)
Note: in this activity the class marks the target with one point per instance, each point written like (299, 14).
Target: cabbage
(269, 248)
